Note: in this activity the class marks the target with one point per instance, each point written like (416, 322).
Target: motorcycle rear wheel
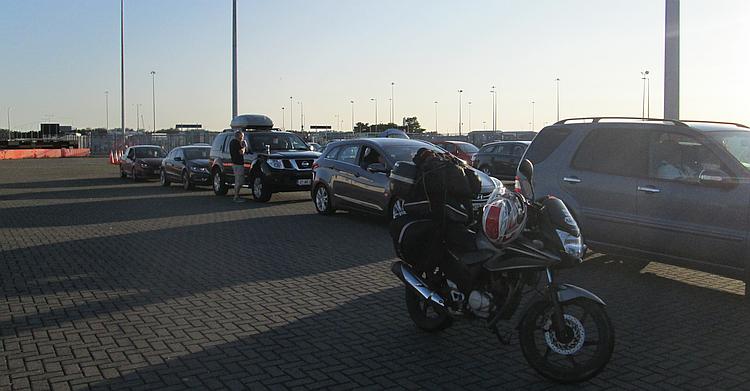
(580, 358)
(423, 315)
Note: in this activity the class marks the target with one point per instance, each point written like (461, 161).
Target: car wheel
(123, 175)
(261, 189)
(186, 181)
(397, 208)
(220, 188)
(322, 200)
(132, 174)
(163, 179)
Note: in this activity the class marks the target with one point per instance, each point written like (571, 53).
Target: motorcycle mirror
(527, 169)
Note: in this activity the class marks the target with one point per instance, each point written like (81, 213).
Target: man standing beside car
(237, 152)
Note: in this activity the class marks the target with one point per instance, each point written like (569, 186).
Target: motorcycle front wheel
(579, 355)
(424, 315)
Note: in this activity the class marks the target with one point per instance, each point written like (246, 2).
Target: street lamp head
(153, 72)
(351, 101)
(460, 90)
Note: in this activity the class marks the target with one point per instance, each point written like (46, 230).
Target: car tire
(260, 188)
(220, 188)
(323, 201)
(123, 175)
(163, 179)
(186, 184)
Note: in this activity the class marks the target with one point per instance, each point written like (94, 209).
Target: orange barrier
(13, 154)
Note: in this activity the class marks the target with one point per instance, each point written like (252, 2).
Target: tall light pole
(392, 86)
(557, 80)
(460, 106)
(122, 71)
(291, 113)
(106, 107)
(283, 117)
(469, 109)
(436, 116)
(153, 97)
(301, 116)
(9, 109)
(672, 64)
(338, 124)
(494, 108)
(375, 124)
(533, 123)
(644, 76)
(234, 58)
(352, 102)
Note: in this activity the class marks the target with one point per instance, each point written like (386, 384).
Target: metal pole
(672, 60)
(234, 58)
(9, 108)
(291, 113)
(436, 116)
(301, 117)
(459, 110)
(558, 98)
(494, 108)
(373, 128)
(352, 102)
(469, 108)
(137, 117)
(392, 84)
(533, 125)
(153, 97)
(643, 94)
(106, 110)
(283, 117)
(648, 97)
(122, 72)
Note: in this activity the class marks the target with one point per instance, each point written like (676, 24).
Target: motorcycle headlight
(275, 163)
(198, 169)
(573, 245)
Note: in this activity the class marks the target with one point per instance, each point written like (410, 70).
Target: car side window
(333, 153)
(487, 149)
(680, 157)
(450, 148)
(131, 153)
(348, 154)
(613, 151)
(371, 155)
(518, 150)
(227, 140)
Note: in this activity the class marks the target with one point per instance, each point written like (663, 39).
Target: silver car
(353, 175)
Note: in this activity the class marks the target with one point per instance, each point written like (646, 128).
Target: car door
(369, 187)
(682, 216)
(130, 160)
(502, 161)
(600, 184)
(178, 164)
(516, 153)
(346, 167)
(167, 162)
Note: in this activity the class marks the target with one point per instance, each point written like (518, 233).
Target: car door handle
(648, 189)
(571, 179)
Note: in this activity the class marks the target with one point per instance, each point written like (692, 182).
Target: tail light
(315, 165)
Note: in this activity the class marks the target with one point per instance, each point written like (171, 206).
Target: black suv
(275, 161)
(662, 190)
(500, 159)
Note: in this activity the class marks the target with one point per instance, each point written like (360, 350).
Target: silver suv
(664, 190)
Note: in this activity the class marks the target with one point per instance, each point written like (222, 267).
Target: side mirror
(177, 159)
(527, 169)
(377, 167)
(716, 178)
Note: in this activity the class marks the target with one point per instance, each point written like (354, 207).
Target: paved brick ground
(110, 284)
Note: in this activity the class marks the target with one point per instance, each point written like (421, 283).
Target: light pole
(352, 102)
(153, 97)
(460, 105)
(291, 113)
(392, 85)
(533, 123)
(234, 58)
(122, 71)
(338, 124)
(283, 118)
(436, 116)
(494, 108)
(9, 109)
(469, 108)
(106, 107)
(484, 125)
(558, 98)
(301, 117)
(644, 77)
(375, 124)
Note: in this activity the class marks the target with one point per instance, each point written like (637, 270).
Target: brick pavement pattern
(114, 284)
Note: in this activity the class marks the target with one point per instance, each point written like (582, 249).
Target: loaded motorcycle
(565, 333)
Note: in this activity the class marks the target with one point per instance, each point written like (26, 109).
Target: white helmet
(504, 217)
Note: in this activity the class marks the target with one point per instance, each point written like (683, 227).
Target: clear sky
(57, 59)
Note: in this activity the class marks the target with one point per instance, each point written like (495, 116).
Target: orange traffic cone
(111, 158)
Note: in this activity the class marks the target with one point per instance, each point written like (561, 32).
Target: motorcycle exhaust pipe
(405, 273)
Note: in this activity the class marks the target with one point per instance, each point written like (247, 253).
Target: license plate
(303, 182)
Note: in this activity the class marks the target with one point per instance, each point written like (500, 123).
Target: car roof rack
(716, 122)
(598, 119)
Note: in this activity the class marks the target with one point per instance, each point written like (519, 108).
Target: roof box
(251, 122)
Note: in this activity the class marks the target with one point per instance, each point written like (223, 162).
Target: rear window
(613, 151)
(545, 143)
(468, 148)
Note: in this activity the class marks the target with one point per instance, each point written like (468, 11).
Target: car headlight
(198, 169)
(573, 245)
(144, 165)
(275, 163)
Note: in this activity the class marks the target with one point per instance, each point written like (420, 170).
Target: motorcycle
(565, 334)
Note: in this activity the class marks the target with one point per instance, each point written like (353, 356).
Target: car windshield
(196, 153)
(468, 148)
(737, 143)
(145, 153)
(400, 153)
(277, 142)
